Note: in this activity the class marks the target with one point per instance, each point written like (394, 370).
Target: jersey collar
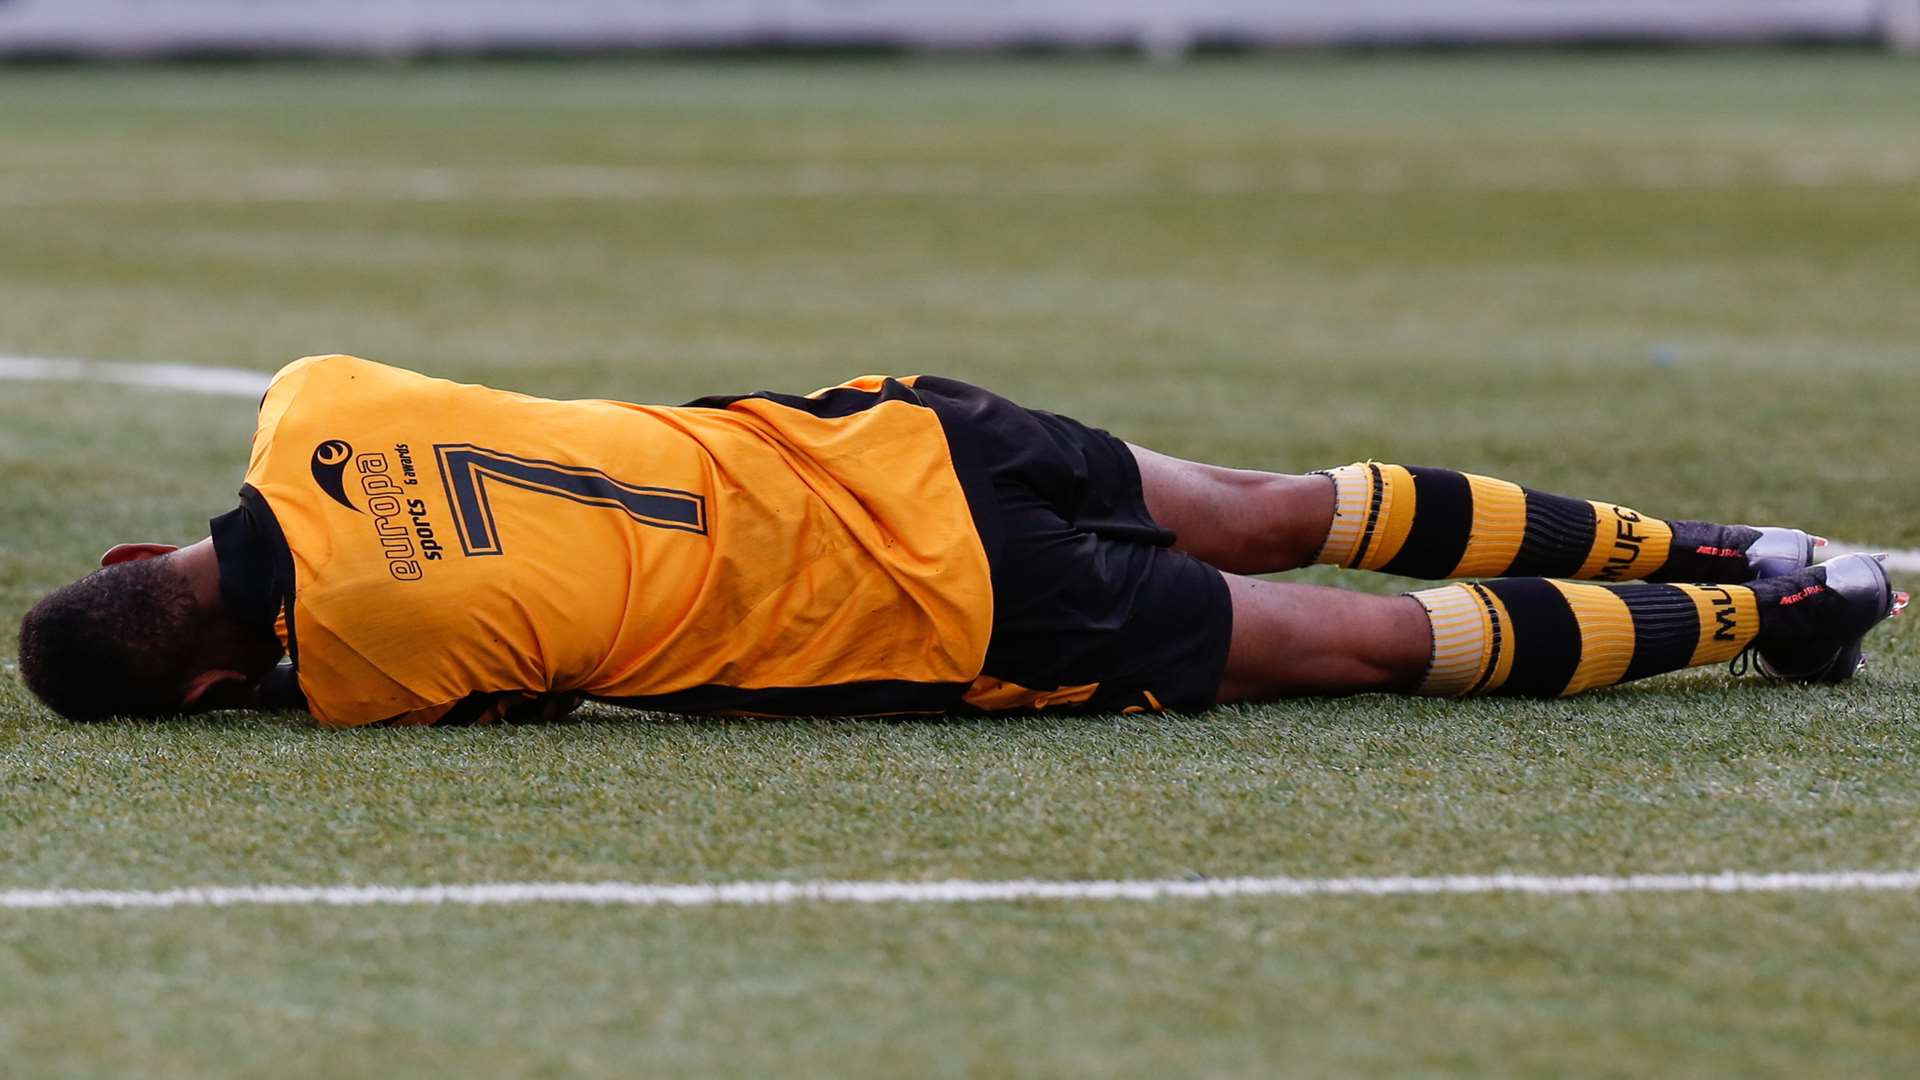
(256, 568)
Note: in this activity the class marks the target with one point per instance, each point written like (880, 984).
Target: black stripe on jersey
(1666, 629)
(880, 697)
(831, 405)
(1546, 636)
(1442, 525)
(1558, 538)
(963, 408)
(959, 406)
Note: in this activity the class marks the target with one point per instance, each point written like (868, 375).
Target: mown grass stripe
(825, 179)
(766, 893)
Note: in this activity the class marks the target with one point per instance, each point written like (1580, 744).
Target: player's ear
(120, 553)
(218, 688)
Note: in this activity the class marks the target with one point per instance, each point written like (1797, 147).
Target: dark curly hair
(118, 642)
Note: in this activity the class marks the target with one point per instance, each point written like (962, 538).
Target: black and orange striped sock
(1438, 524)
(1550, 638)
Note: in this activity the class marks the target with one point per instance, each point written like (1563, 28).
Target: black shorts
(1092, 608)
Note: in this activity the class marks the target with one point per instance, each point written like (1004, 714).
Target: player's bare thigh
(1239, 520)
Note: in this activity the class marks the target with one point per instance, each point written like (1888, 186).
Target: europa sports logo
(329, 466)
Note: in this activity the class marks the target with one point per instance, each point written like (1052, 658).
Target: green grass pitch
(1686, 282)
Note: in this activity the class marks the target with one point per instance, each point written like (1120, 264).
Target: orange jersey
(441, 541)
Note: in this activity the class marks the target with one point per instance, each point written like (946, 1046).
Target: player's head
(131, 639)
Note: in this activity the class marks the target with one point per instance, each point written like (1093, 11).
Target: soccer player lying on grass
(422, 551)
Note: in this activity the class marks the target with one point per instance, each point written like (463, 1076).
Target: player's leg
(1239, 520)
(1543, 638)
(1438, 524)
(1292, 640)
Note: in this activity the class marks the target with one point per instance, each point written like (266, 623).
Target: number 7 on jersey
(468, 470)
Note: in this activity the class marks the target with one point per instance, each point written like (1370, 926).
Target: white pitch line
(224, 382)
(1899, 560)
(239, 382)
(774, 893)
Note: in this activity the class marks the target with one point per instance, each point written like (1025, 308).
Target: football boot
(1813, 620)
(1736, 554)
(1780, 551)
